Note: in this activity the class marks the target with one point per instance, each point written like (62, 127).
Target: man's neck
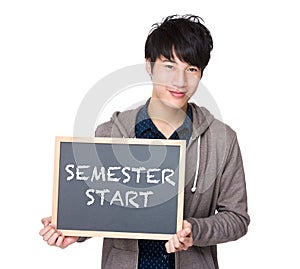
(166, 118)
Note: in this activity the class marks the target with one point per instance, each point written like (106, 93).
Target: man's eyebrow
(169, 60)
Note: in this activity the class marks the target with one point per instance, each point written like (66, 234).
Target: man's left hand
(181, 240)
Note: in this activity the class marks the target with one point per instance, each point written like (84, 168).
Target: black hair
(190, 39)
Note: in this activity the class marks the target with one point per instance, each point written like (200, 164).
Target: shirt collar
(144, 123)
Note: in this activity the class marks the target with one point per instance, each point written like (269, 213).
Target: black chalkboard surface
(118, 187)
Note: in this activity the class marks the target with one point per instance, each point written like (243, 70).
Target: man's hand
(182, 240)
(54, 237)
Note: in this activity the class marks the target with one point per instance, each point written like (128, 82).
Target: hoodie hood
(202, 119)
(124, 122)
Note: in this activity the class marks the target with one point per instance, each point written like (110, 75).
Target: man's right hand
(53, 237)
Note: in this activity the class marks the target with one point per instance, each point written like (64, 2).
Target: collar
(145, 124)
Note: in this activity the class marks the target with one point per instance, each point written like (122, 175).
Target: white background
(53, 52)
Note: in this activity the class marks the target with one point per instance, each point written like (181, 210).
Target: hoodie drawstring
(197, 165)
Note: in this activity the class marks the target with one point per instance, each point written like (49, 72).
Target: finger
(176, 242)
(167, 246)
(47, 235)
(46, 221)
(184, 235)
(53, 238)
(186, 225)
(68, 241)
(59, 241)
(185, 232)
(172, 246)
(45, 230)
(186, 242)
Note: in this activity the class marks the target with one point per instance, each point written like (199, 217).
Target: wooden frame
(131, 141)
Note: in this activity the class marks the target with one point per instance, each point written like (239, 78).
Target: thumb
(187, 229)
(46, 221)
(185, 232)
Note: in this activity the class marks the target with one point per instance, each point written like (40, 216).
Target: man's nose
(179, 79)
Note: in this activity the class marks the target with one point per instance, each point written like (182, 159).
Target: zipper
(137, 255)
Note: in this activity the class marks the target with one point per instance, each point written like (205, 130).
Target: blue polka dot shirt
(152, 253)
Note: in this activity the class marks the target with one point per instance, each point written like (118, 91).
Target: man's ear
(148, 66)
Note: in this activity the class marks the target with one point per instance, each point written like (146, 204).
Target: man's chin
(176, 105)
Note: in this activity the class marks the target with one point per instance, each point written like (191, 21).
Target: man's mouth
(177, 94)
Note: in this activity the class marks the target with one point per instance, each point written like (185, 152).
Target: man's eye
(193, 69)
(169, 66)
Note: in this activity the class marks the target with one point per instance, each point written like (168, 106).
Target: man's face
(174, 81)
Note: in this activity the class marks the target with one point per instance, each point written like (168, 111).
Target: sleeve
(82, 239)
(231, 220)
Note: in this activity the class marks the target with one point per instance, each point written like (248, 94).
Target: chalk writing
(118, 174)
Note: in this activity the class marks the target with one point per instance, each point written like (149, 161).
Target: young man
(215, 207)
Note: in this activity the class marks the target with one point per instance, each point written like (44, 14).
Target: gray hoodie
(215, 199)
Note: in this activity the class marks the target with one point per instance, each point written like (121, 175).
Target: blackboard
(118, 187)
